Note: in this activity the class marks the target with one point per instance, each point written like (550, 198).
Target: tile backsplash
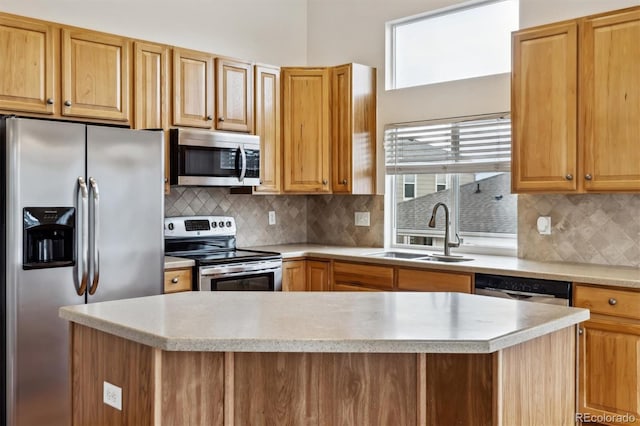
(594, 228)
(321, 219)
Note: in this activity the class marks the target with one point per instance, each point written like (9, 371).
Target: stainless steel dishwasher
(528, 289)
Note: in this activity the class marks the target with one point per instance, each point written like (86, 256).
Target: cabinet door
(294, 275)
(306, 130)
(234, 93)
(95, 75)
(609, 381)
(423, 280)
(544, 109)
(353, 127)
(192, 89)
(317, 275)
(610, 102)
(267, 114)
(176, 280)
(358, 274)
(151, 91)
(29, 66)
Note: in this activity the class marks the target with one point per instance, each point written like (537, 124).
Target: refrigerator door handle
(84, 233)
(243, 156)
(96, 234)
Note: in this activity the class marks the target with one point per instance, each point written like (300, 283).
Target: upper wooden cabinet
(193, 88)
(353, 126)
(151, 86)
(234, 94)
(305, 128)
(610, 101)
(95, 75)
(576, 105)
(28, 66)
(267, 119)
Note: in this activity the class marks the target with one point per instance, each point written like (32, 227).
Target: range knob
(221, 224)
(228, 224)
(214, 224)
(170, 226)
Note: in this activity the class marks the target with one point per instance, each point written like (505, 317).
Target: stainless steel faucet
(432, 224)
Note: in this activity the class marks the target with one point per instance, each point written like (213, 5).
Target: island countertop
(325, 322)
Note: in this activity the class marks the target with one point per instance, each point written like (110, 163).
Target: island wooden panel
(99, 357)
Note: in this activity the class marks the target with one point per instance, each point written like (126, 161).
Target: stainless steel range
(220, 266)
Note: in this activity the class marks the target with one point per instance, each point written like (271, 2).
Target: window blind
(460, 145)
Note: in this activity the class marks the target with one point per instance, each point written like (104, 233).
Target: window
(451, 44)
(474, 154)
(409, 182)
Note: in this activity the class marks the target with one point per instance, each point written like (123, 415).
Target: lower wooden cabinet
(317, 275)
(609, 355)
(176, 280)
(347, 275)
(294, 276)
(424, 280)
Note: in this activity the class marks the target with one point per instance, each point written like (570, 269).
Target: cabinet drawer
(347, 287)
(177, 280)
(622, 303)
(421, 280)
(366, 275)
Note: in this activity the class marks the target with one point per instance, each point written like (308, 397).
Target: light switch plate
(362, 218)
(544, 225)
(112, 395)
(272, 217)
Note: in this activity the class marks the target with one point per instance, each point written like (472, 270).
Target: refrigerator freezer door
(44, 161)
(126, 178)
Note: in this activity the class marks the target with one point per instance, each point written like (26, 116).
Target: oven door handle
(233, 270)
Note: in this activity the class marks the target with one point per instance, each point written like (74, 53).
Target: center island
(302, 358)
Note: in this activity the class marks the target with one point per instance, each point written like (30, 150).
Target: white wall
(269, 31)
(342, 31)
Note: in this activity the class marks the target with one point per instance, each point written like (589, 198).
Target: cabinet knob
(581, 331)
(588, 176)
(209, 117)
(612, 301)
(221, 119)
(569, 176)
(324, 181)
(166, 180)
(344, 181)
(174, 280)
(49, 101)
(67, 103)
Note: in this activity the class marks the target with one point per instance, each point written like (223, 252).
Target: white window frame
(390, 26)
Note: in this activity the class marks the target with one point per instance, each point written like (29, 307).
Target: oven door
(250, 276)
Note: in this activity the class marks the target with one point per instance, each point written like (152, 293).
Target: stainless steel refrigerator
(82, 222)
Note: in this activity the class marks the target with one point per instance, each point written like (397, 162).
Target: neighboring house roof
(490, 210)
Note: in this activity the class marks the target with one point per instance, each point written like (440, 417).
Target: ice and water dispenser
(49, 237)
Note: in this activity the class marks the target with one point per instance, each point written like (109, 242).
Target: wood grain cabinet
(305, 130)
(96, 71)
(609, 353)
(318, 272)
(575, 105)
(193, 88)
(353, 128)
(267, 126)
(178, 279)
(428, 280)
(234, 95)
(29, 65)
(348, 276)
(294, 277)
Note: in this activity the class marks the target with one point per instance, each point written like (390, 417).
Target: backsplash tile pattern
(331, 220)
(250, 212)
(319, 219)
(594, 228)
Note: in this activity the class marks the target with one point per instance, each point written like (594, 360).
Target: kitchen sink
(420, 256)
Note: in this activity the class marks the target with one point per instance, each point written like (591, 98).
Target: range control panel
(199, 226)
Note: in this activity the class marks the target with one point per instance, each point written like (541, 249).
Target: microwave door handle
(84, 235)
(243, 168)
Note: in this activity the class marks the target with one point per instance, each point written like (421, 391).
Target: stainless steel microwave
(206, 158)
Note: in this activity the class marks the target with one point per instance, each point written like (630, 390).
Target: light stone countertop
(325, 322)
(171, 262)
(620, 276)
